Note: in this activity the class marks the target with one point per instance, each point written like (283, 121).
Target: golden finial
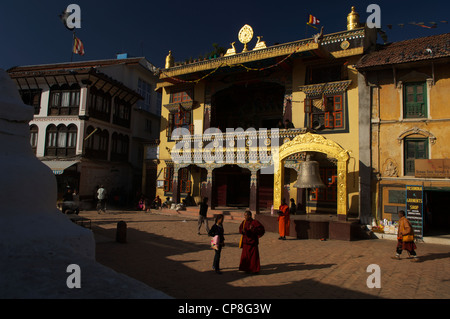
(353, 20)
(169, 60)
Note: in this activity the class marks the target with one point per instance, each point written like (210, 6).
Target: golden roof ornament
(169, 60)
(232, 50)
(353, 20)
(260, 44)
(245, 36)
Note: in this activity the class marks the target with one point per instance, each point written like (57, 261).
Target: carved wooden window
(61, 140)
(99, 105)
(181, 97)
(168, 179)
(184, 182)
(34, 132)
(415, 148)
(180, 119)
(415, 100)
(32, 97)
(64, 100)
(325, 112)
(96, 143)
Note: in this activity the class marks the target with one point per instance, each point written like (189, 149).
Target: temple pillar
(208, 186)
(175, 187)
(254, 201)
(342, 201)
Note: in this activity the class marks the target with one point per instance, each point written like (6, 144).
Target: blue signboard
(414, 208)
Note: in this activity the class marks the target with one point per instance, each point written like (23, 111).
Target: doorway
(436, 213)
(231, 186)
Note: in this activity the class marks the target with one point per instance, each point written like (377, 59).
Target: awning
(58, 167)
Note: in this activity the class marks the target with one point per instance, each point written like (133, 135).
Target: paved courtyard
(165, 252)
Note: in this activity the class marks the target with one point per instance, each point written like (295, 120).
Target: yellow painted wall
(348, 141)
(392, 126)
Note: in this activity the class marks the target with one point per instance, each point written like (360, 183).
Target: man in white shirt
(101, 196)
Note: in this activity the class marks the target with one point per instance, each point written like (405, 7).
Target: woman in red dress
(251, 231)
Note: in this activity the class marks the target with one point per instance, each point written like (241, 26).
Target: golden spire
(169, 60)
(353, 20)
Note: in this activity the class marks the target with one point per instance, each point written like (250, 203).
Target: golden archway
(313, 143)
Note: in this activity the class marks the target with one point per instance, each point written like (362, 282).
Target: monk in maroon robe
(251, 231)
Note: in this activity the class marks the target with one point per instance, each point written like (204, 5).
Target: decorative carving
(245, 36)
(260, 44)
(232, 50)
(390, 168)
(416, 130)
(319, 36)
(313, 143)
(271, 52)
(316, 90)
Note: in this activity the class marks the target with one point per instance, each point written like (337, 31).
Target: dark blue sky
(31, 32)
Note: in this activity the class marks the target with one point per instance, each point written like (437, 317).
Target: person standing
(293, 208)
(405, 237)
(284, 221)
(251, 231)
(101, 197)
(217, 230)
(202, 215)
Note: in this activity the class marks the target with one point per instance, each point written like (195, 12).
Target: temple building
(404, 94)
(92, 121)
(236, 128)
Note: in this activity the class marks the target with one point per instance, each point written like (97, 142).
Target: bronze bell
(309, 176)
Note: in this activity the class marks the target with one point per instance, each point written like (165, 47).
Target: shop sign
(414, 208)
(432, 168)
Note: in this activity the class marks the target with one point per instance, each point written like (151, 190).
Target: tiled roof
(74, 65)
(427, 48)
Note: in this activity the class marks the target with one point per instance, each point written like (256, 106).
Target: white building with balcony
(91, 122)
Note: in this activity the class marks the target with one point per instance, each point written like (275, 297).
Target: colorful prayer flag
(78, 47)
(312, 20)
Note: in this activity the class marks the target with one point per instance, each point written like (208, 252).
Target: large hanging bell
(309, 176)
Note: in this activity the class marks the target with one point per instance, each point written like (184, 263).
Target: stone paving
(164, 251)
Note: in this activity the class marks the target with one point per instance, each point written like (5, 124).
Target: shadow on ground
(149, 258)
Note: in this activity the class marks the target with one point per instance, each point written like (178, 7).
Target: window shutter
(337, 101)
(338, 121)
(329, 120)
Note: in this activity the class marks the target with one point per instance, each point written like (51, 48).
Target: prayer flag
(78, 47)
(312, 20)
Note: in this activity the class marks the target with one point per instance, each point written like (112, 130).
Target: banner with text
(414, 208)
